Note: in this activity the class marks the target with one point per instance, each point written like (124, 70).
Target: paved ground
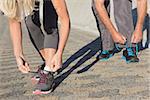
(83, 78)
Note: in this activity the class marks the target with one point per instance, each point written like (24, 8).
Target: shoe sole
(38, 92)
(105, 59)
(130, 61)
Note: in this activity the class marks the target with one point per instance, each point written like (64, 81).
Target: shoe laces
(117, 47)
(130, 51)
(136, 49)
(43, 78)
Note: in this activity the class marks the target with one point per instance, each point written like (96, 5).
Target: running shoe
(36, 77)
(130, 55)
(45, 84)
(105, 55)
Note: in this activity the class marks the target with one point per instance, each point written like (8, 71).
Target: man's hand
(118, 38)
(137, 36)
(56, 62)
(141, 11)
(23, 66)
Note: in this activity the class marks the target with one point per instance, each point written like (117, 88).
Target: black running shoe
(105, 55)
(117, 49)
(130, 55)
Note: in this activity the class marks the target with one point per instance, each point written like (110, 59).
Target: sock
(47, 69)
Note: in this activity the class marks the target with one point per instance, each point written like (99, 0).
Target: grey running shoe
(44, 85)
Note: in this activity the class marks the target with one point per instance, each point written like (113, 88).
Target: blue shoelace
(117, 46)
(130, 51)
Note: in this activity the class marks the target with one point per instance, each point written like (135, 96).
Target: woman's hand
(23, 66)
(56, 62)
(16, 36)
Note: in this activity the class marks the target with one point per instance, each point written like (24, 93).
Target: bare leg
(48, 55)
(42, 52)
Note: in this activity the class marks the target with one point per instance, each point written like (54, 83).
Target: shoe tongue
(45, 72)
(105, 52)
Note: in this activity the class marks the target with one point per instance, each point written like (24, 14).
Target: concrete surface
(83, 78)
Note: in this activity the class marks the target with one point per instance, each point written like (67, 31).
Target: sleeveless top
(45, 16)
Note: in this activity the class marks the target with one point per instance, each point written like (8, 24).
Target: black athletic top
(50, 16)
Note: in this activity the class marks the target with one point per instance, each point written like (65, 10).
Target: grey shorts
(40, 40)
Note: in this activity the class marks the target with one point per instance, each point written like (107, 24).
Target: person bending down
(126, 33)
(41, 18)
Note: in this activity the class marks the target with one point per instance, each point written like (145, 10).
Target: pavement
(82, 77)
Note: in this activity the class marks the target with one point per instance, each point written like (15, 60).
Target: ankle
(48, 69)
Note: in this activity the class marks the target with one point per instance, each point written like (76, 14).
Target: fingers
(27, 66)
(135, 39)
(56, 68)
(137, 36)
(53, 65)
(56, 64)
(132, 39)
(23, 69)
(119, 38)
(122, 40)
(23, 66)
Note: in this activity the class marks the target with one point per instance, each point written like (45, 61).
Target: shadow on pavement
(91, 49)
(88, 51)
